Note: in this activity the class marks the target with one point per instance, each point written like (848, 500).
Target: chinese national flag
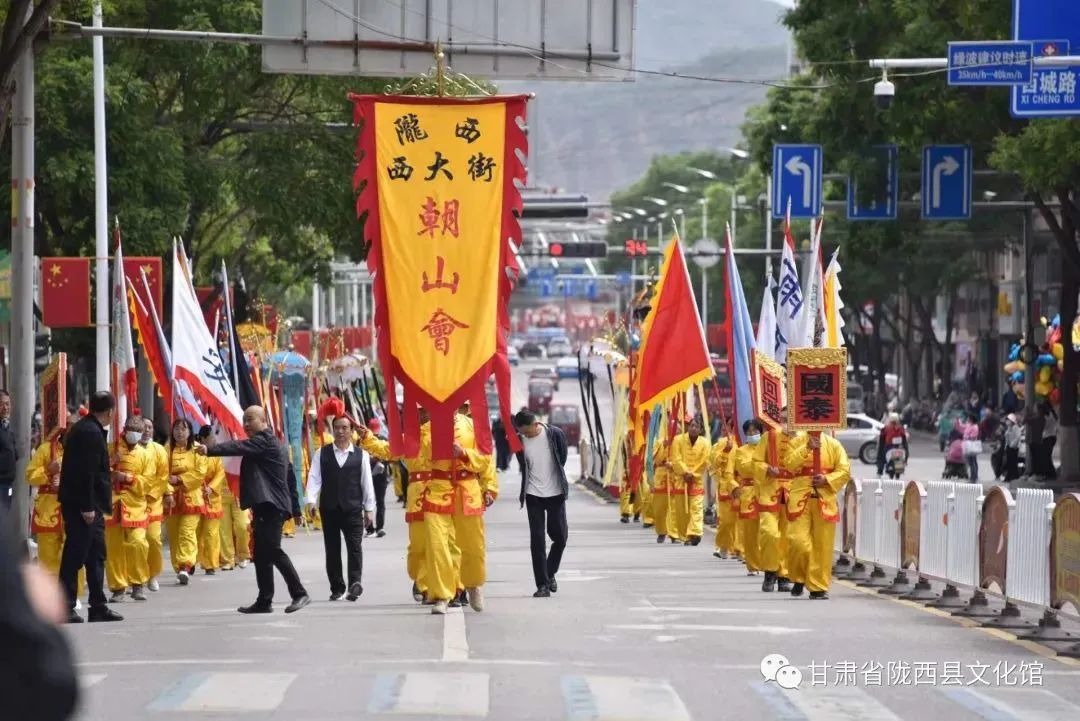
(65, 292)
(133, 269)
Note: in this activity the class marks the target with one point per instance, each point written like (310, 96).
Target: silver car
(860, 438)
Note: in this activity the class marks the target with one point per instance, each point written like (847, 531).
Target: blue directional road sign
(990, 63)
(1054, 27)
(796, 174)
(622, 278)
(946, 182)
(882, 204)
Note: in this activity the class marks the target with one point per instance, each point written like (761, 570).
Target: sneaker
(814, 596)
(476, 599)
(553, 585)
(337, 596)
(257, 607)
(103, 614)
(380, 533)
(78, 605)
(542, 592)
(355, 589)
(637, 518)
(783, 585)
(118, 596)
(153, 585)
(243, 564)
(718, 553)
(74, 617)
(209, 571)
(624, 519)
(182, 578)
(439, 608)
(674, 540)
(646, 525)
(660, 537)
(769, 584)
(226, 568)
(138, 594)
(298, 603)
(416, 594)
(797, 590)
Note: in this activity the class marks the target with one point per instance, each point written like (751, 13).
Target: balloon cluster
(1047, 365)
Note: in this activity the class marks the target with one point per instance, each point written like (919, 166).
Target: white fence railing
(965, 511)
(866, 533)
(934, 530)
(1028, 570)
(892, 499)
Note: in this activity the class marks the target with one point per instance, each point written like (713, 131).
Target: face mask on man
(132, 437)
(754, 439)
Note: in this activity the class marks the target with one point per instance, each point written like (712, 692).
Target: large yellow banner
(436, 180)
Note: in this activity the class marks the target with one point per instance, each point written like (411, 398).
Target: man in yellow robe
(743, 470)
(661, 493)
(689, 463)
(126, 548)
(727, 515)
(813, 512)
(771, 483)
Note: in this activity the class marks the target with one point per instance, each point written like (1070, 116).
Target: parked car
(545, 372)
(541, 392)
(559, 347)
(567, 367)
(532, 351)
(860, 438)
(566, 418)
(512, 355)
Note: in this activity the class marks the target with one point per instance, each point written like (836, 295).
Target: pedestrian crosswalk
(474, 694)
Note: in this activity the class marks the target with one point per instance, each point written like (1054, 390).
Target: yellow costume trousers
(768, 540)
(50, 548)
(785, 546)
(415, 560)
(183, 533)
(660, 513)
(626, 506)
(288, 529)
(644, 504)
(209, 542)
(234, 533)
(679, 520)
(737, 534)
(443, 531)
(154, 558)
(810, 539)
(726, 520)
(749, 527)
(126, 551)
(696, 523)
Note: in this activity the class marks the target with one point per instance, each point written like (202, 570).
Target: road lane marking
(707, 609)
(621, 698)
(426, 693)
(822, 703)
(169, 662)
(88, 680)
(770, 630)
(225, 691)
(455, 646)
(1013, 704)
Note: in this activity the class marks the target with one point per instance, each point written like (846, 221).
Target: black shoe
(695, 540)
(298, 603)
(660, 537)
(624, 519)
(783, 585)
(646, 525)
(104, 613)
(380, 533)
(819, 595)
(457, 602)
(257, 607)
(209, 571)
(74, 617)
(769, 584)
(337, 596)
(637, 518)
(673, 539)
(686, 542)
(553, 586)
(542, 592)
(797, 590)
(416, 594)
(355, 589)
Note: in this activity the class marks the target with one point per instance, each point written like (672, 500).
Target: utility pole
(22, 282)
(1029, 353)
(101, 216)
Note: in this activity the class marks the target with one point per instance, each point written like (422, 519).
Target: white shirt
(541, 464)
(314, 478)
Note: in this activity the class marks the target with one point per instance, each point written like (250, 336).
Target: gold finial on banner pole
(440, 69)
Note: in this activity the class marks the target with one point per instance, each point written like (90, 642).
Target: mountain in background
(597, 137)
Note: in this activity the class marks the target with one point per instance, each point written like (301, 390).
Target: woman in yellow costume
(126, 547)
(43, 473)
(187, 471)
(210, 524)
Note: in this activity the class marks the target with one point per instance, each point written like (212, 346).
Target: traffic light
(42, 341)
(635, 248)
(588, 249)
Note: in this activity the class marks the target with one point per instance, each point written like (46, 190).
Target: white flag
(767, 335)
(195, 356)
(124, 379)
(813, 311)
(789, 297)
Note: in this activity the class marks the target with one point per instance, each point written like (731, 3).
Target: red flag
(143, 323)
(65, 292)
(133, 270)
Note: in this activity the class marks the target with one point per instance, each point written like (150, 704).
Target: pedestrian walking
(85, 499)
(7, 451)
(268, 488)
(972, 446)
(544, 490)
(340, 484)
(1013, 435)
(380, 479)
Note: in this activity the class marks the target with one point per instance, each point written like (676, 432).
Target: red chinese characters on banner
(770, 394)
(817, 384)
(440, 328)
